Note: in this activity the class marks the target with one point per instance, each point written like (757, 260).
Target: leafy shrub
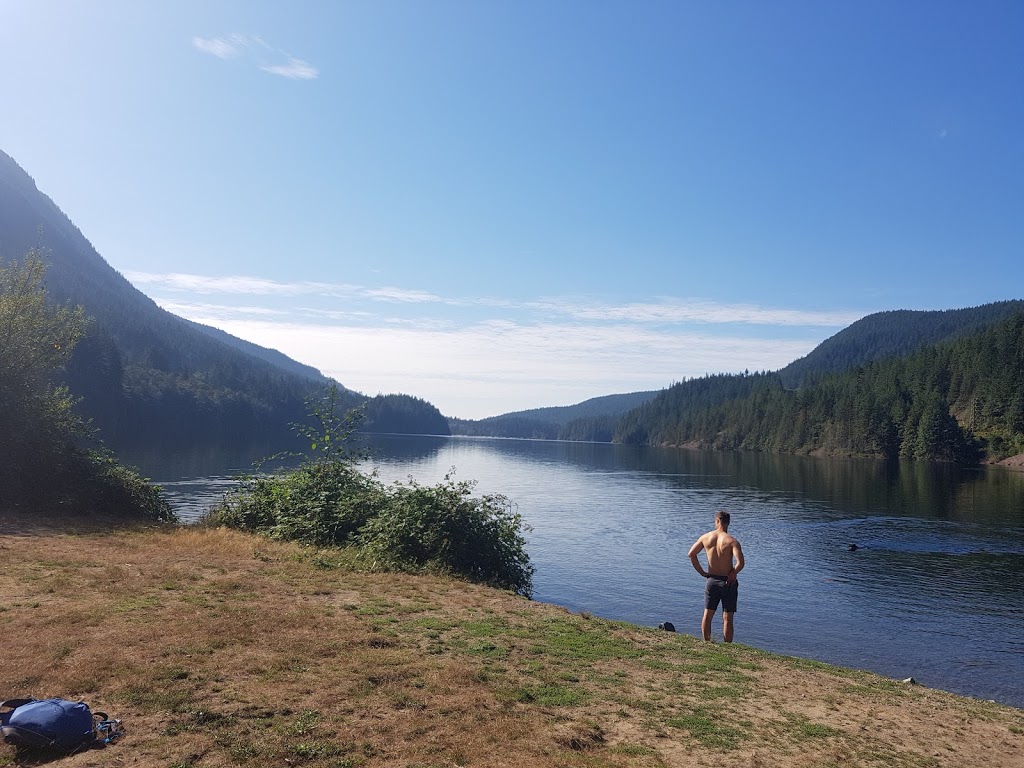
(112, 487)
(328, 502)
(321, 504)
(444, 527)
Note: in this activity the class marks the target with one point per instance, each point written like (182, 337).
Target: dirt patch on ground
(221, 649)
(18, 522)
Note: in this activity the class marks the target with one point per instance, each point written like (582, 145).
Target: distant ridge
(895, 333)
(605, 405)
(591, 419)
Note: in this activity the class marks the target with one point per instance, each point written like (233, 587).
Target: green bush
(109, 486)
(445, 528)
(322, 504)
(328, 502)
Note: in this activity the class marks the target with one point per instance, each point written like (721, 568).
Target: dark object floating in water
(668, 626)
(853, 548)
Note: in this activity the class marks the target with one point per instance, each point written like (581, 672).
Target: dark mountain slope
(271, 356)
(143, 370)
(145, 374)
(894, 334)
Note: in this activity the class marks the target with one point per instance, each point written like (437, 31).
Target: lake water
(935, 590)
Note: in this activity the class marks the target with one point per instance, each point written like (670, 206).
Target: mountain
(144, 374)
(878, 336)
(271, 356)
(592, 420)
(894, 334)
(606, 405)
(959, 400)
(404, 414)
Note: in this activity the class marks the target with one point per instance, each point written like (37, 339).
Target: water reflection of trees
(175, 461)
(853, 486)
(402, 447)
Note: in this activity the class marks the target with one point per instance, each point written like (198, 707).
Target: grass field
(221, 649)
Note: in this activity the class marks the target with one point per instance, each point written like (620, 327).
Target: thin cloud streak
(234, 45)
(243, 284)
(217, 312)
(674, 311)
(666, 311)
(295, 69)
(216, 46)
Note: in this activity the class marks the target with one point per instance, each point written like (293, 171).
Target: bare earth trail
(222, 649)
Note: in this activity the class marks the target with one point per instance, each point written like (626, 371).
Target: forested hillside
(958, 401)
(404, 414)
(893, 334)
(144, 374)
(591, 420)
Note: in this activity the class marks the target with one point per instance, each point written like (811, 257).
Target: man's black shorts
(718, 590)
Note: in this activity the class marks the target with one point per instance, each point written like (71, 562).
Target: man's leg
(705, 623)
(727, 625)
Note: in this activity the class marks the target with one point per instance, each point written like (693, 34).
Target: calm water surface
(936, 590)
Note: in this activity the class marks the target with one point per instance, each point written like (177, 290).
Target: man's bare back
(725, 560)
(721, 550)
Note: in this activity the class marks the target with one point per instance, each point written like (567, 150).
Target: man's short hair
(723, 516)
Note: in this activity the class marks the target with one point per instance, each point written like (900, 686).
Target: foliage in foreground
(328, 502)
(43, 462)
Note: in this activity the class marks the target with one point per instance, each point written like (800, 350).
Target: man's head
(722, 519)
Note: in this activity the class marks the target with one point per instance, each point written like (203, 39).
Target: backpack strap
(15, 703)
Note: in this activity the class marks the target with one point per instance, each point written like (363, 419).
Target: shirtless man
(725, 560)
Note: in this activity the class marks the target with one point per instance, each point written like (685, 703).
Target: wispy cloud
(259, 286)
(295, 69)
(237, 284)
(665, 311)
(216, 46)
(700, 311)
(258, 51)
(215, 312)
(400, 294)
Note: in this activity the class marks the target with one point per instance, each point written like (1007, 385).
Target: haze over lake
(933, 590)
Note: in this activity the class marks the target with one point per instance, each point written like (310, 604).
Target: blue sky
(504, 205)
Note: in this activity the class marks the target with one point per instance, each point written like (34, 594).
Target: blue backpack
(50, 724)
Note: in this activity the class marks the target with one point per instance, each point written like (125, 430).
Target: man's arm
(698, 545)
(737, 554)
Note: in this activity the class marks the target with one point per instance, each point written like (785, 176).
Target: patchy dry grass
(222, 649)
